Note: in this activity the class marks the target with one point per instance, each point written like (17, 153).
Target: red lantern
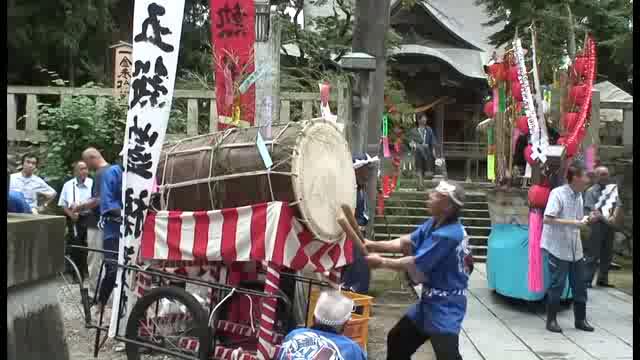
(497, 71)
(569, 121)
(513, 73)
(516, 90)
(522, 124)
(489, 108)
(527, 155)
(580, 65)
(578, 94)
(538, 196)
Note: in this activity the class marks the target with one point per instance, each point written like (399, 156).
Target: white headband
(450, 190)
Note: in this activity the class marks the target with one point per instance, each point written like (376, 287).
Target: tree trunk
(370, 28)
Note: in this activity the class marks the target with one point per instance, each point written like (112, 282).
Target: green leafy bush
(83, 121)
(77, 123)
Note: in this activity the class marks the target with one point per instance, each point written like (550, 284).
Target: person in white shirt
(31, 185)
(75, 193)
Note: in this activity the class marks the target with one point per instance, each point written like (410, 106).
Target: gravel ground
(79, 339)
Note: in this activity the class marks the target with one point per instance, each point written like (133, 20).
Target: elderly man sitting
(324, 340)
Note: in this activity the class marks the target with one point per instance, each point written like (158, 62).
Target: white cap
(333, 309)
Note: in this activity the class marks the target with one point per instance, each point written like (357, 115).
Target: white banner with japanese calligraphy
(157, 26)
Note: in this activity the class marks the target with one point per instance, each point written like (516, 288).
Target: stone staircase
(406, 209)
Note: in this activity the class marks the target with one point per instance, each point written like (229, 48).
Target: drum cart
(246, 320)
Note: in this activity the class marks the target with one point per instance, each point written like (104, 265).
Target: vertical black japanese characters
(151, 72)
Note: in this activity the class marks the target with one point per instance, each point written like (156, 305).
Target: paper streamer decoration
(590, 157)
(491, 167)
(157, 26)
(539, 143)
(233, 37)
(325, 109)
(502, 98)
(385, 136)
(577, 135)
(535, 279)
(542, 123)
(264, 152)
(495, 101)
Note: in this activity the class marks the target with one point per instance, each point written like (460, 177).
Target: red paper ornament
(578, 94)
(513, 73)
(580, 65)
(527, 155)
(522, 124)
(497, 71)
(538, 196)
(569, 121)
(516, 90)
(489, 108)
(518, 108)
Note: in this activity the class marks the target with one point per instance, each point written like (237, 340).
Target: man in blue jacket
(357, 276)
(325, 339)
(110, 219)
(435, 255)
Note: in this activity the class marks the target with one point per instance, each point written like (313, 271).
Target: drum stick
(349, 214)
(344, 224)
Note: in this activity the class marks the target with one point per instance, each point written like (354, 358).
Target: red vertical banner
(233, 37)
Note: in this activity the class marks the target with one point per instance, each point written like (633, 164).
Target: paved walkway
(498, 329)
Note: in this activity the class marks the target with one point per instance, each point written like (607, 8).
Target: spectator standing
(75, 193)
(563, 217)
(600, 246)
(97, 163)
(422, 142)
(30, 185)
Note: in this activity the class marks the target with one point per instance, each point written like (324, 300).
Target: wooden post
(307, 109)
(12, 116)
(268, 87)
(213, 115)
(192, 117)
(285, 111)
(627, 135)
(31, 125)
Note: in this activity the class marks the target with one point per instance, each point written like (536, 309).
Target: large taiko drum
(312, 170)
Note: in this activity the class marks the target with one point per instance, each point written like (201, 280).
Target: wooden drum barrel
(312, 170)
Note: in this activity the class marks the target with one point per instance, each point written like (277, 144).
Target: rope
(218, 305)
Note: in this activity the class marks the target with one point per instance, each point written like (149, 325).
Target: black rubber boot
(552, 322)
(580, 314)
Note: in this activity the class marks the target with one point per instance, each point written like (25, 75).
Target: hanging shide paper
(233, 37)
(539, 144)
(538, 97)
(157, 26)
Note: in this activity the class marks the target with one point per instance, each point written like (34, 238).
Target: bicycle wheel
(168, 318)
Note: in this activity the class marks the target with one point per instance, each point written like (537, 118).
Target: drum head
(325, 178)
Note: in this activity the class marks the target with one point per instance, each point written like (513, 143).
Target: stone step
(407, 228)
(471, 220)
(411, 183)
(421, 203)
(477, 209)
(470, 196)
(476, 239)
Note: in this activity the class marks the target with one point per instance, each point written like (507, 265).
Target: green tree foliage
(610, 22)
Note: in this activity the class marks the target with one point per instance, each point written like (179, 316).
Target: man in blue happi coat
(110, 220)
(325, 339)
(434, 255)
(357, 276)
